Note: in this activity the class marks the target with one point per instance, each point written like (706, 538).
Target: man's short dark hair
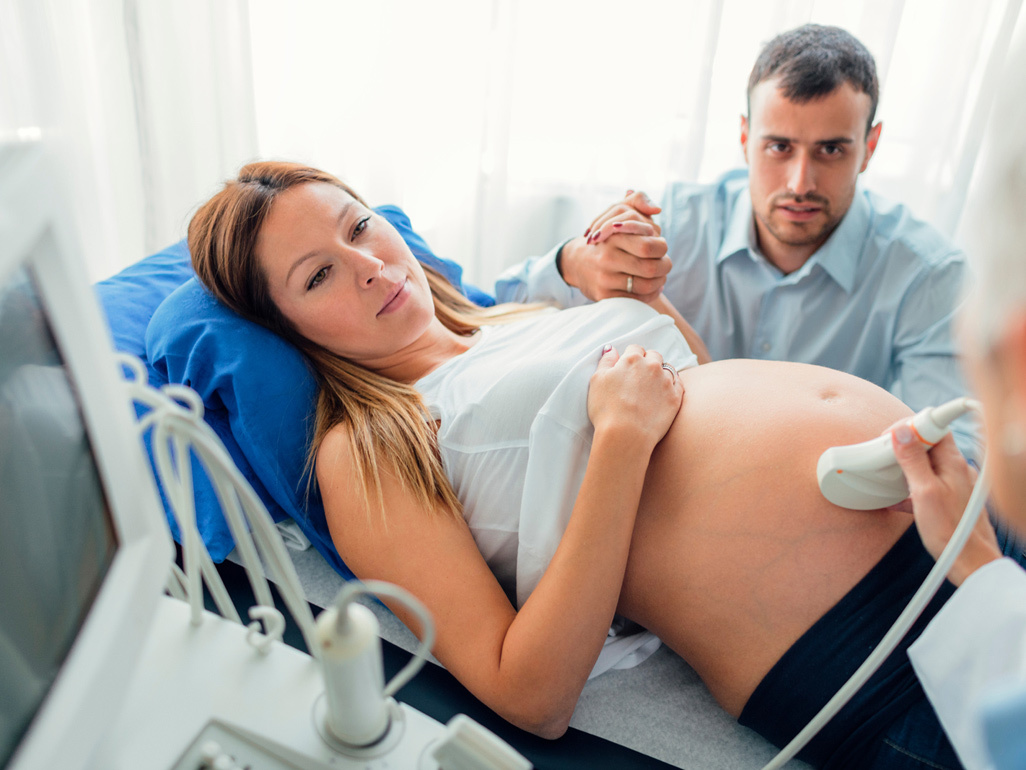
(812, 60)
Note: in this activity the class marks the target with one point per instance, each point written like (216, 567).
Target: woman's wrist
(628, 438)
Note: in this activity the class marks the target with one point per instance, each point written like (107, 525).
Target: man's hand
(621, 254)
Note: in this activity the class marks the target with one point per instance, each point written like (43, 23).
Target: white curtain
(146, 105)
(503, 127)
(64, 79)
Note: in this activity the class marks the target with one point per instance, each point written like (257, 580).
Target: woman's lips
(397, 298)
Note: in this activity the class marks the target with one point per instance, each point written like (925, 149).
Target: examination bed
(257, 397)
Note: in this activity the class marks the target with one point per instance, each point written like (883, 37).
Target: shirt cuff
(537, 280)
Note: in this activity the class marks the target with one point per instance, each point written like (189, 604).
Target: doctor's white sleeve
(975, 643)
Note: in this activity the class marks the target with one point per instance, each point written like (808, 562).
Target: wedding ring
(671, 370)
(630, 284)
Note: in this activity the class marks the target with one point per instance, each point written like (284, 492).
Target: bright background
(501, 127)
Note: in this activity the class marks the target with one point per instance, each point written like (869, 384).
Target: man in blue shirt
(789, 259)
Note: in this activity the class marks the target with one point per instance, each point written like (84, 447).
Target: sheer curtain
(145, 104)
(503, 127)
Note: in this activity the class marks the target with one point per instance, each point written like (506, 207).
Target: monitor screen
(84, 547)
(57, 539)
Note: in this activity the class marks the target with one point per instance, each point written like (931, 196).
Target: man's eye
(317, 278)
(778, 147)
(831, 149)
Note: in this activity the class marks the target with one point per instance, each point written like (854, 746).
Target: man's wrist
(566, 262)
(559, 258)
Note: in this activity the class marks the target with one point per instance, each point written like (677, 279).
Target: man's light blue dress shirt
(877, 300)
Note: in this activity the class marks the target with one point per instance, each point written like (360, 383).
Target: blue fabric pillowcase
(258, 394)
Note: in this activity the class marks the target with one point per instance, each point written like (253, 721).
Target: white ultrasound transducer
(866, 476)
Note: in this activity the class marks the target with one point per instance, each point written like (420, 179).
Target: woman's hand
(634, 394)
(940, 482)
(621, 253)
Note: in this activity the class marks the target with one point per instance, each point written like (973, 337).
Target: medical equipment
(350, 652)
(866, 476)
(85, 551)
(877, 456)
(98, 669)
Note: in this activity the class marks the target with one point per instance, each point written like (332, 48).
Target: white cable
(379, 588)
(893, 637)
(176, 417)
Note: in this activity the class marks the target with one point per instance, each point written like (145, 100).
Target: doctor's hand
(635, 395)
(621, 253)
(939, 482)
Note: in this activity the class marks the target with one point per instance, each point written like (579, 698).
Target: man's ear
(744, 137)
(871, 139)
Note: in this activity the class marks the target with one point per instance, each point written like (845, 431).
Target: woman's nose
(369, 269)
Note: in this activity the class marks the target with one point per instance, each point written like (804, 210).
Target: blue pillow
(130, 297)
(258, 394)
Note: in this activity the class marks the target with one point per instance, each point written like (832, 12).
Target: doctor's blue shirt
(877, 299)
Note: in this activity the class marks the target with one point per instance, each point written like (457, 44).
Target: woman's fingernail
(629, 194)
(903, 434)
(606, 349)
(586, 232)
(617, 224)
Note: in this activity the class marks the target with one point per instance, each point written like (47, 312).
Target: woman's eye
(317, 278)
(360, 226)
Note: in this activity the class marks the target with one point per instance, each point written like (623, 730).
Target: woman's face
(343, 276)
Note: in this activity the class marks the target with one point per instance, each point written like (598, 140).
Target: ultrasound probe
(866, 476)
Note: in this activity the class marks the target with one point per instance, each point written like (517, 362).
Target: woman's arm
(644, 287)
(528, 666)
(695, 342)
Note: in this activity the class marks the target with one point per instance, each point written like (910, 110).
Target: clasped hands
(621, 254)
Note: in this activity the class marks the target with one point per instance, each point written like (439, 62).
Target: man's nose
(801, 179)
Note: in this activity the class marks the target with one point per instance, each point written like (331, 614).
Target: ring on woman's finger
(671, 370)
(630, 284)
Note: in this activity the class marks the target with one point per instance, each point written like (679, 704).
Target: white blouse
(515, 435)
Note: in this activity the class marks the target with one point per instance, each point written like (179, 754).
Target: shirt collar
(740, 232)
(838, 257)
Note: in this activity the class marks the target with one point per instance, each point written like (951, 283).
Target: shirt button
(766, 347)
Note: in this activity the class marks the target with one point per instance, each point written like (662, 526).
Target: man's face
(803, 161)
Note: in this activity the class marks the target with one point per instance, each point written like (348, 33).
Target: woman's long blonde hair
(384, 419)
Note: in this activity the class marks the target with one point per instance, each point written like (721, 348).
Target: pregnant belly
(735, 552)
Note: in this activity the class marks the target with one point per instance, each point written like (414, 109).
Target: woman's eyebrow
(338, 223)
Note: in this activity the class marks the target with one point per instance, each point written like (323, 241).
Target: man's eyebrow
(788, 140)
(310, 255)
